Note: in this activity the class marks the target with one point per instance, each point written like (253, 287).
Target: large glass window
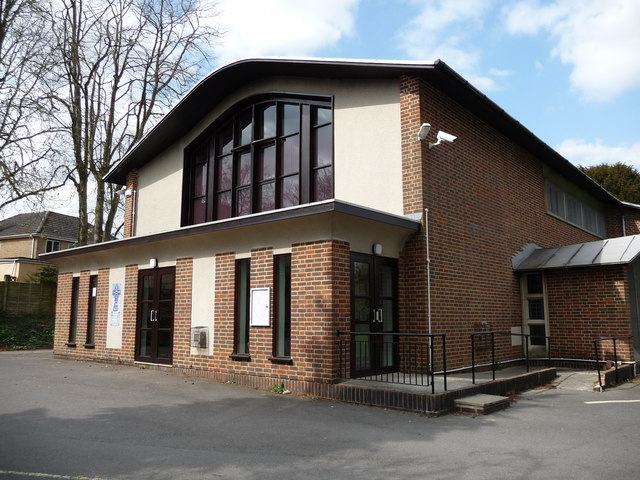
(241, 327)
(275, 153)
(282, 331)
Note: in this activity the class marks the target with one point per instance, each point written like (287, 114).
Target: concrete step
(481, 404)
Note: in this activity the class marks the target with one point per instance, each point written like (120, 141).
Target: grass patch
(25, 333)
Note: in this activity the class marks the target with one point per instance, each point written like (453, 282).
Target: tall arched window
(273, 152)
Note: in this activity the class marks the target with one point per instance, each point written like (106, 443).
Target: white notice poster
(260, 299)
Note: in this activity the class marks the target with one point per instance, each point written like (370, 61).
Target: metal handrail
(526, 337)
(615, 356)
(430, 336)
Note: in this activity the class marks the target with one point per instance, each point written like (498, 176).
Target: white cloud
(586, 154)
(442, 30)
(496, 72)
(281, 27)
(600, 40)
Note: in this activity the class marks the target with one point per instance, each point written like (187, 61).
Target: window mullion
(305, 155)
(211, 184)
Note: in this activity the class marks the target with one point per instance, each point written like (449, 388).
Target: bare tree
(28, 166)
(122, 63)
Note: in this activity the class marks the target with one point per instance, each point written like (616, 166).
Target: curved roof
(203, 97)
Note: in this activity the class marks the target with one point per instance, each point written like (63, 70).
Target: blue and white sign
(116, 309)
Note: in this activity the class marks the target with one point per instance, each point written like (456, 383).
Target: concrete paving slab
(481, 404)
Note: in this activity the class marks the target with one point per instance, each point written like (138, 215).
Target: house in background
(25, 236)
(282, 201)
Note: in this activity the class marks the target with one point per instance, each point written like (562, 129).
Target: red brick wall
(320, 284)
(631, 220)
(182, 311)
(102, 310)
(130, 202)
(224, 311)
(486, 200)
(63, 313)
(585, 304)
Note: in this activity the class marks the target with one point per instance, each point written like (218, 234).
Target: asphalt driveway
(63, 419)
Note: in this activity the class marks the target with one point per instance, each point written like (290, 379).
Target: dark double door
(154, 336)
(374, 311)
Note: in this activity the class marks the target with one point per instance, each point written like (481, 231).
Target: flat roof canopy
(308, 211)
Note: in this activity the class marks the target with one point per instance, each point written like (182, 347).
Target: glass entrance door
(373, 310)
(154, 339)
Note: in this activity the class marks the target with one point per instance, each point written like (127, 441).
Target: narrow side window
(241, 327)
(91, 314)
(282, 328)
(73, 320)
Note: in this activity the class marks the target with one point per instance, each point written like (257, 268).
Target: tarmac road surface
(62, 419)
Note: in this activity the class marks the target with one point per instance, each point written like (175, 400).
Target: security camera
(443, 137)
(424, 131)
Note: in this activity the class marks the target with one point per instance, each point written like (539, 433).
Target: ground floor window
(73, 318)
(282, 327)
(534, 309)
(91, 316)
(243, 290)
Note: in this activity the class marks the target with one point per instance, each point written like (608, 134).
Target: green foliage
(621, 180)
(25, 332)
(278, 388)
(47, 274)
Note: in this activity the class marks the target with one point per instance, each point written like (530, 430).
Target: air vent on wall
(199, 337)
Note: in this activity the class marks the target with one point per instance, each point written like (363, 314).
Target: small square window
(52, 246)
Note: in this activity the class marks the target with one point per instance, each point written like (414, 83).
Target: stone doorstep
(481, 404)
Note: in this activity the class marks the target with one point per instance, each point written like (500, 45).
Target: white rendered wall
(114, 332)
(367, 149)
(202, 299)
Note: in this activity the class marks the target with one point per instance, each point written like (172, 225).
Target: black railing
(596, 342)
(400, 358)
(492, 335)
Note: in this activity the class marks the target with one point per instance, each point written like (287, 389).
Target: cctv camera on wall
(424, 131)
(443, 137)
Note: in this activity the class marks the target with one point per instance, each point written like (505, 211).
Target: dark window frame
(282, 309)
(534, 308)
(232, 198)
(241, 323)
(73, 316)
(91, 312)
(52, 246)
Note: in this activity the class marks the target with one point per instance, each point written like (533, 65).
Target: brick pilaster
(130, 203)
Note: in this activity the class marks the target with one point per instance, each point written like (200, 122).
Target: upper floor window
(52, 246)
(569, 208)
(274, 153)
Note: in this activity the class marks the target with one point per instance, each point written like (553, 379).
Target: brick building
(281, 201)
(25, 236)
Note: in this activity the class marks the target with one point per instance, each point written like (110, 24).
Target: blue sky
(568, 70)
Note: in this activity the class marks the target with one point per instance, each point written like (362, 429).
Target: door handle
(153, 316)
(378, 315)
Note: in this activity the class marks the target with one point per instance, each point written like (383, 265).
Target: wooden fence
(36, 299)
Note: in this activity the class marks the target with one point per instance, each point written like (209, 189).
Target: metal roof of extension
(612, 251)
